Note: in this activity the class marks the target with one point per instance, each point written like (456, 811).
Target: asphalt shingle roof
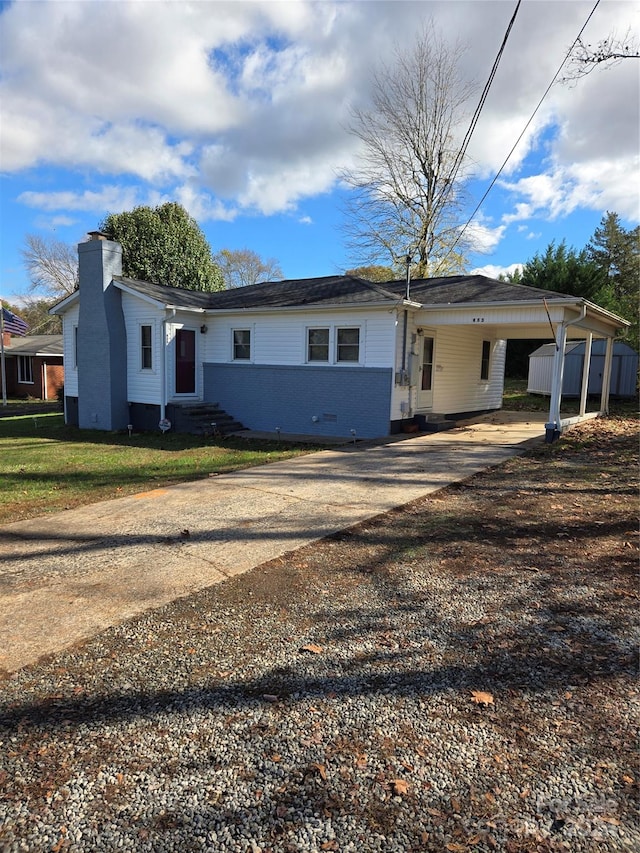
(35, 345)
(344, 290)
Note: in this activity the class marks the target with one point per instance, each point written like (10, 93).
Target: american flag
(13, 324)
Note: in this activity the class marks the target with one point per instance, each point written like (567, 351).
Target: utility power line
(524, 130)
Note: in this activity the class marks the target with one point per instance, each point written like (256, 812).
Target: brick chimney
(6, 339)
(102, 340)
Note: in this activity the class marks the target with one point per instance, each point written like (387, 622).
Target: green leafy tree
(164, 245)
(616, 253)
(35, 312)
(373, 272)
(240, 267)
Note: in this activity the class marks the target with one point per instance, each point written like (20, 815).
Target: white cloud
(305, 220)
(243, 106)
(483, 237)
(494, 271)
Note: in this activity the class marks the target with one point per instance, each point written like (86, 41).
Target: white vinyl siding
(457, 386)
(283, 339)
(69, 330)
(143, 385)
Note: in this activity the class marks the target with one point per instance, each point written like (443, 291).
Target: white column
(553, 426)
(585, 373)
(606, 376)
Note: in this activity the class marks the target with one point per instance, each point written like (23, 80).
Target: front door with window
(425, 373)
(185, 361)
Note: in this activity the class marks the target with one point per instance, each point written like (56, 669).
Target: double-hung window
(146, 347)
(242, 344)
(318, 344)
(25, 369)
(348, 344)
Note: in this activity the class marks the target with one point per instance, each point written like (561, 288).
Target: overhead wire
(524, 130)
(483, 97)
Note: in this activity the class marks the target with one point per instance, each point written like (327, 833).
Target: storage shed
(624, 369)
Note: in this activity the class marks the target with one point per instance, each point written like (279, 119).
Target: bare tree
(241, 267)
(408, 182)
(52, 266)
(610, 51)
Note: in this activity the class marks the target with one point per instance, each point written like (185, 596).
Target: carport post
(585, 373)
(606, 377)
(553, 426)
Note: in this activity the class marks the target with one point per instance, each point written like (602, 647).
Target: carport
(581, 320)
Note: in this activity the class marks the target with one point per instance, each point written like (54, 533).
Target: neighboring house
(34, 366)
(624, 369)
(332, 356)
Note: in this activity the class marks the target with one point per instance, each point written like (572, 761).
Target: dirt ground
(547, 542)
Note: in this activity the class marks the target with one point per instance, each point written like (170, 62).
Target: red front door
(185, 361)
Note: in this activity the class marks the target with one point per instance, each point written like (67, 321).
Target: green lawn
(516, 399)
(46, 466)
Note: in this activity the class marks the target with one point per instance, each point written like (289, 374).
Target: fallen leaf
(481, 697)
(612, 820)
(455, 848)
(455, 805)
(311, 647)
(399, 787)
(322, 770)
(276, 758)
(329, 845)
(270, 697)
(361, 761)
(628, 780)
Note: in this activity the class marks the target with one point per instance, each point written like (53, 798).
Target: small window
(484, 365)
(241, 344)
(348, 345)
(25, 369)
(146, 348)
(317, 344)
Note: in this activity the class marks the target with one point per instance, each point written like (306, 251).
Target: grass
(516, 399)
(46, 466)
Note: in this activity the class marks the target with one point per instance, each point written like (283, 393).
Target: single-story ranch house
(33, 366)
(331, 356)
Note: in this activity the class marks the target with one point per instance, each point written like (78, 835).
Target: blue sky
(238, 111)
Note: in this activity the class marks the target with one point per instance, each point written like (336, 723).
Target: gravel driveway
(456, 675)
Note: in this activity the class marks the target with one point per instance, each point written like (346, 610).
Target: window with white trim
(348, 344)
(318, 344)
(486, 358)
(146, 347)
(242, 344)
(25, 369)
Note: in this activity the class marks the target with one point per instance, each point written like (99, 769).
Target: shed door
(185, 361)
(425, 373)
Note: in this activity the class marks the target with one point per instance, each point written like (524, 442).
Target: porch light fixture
(203, 329)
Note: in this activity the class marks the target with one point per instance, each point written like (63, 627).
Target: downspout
(553, 427)
(163, 365)
(606, 377)
(45, 395)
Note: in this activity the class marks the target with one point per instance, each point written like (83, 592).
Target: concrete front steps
(433, 422)
(204, 419)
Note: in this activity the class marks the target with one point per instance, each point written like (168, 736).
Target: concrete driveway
(67, 576)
